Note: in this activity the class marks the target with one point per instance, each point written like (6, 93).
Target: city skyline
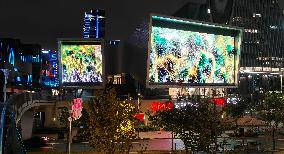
(189, 76)
(43, 22)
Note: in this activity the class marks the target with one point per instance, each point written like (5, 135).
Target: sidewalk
(155, 135)
(146, 152)
(154, 142)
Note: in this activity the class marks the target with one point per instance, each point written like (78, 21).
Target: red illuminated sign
(218, 101)
(139, 116)
(156, 106)
(77, 108)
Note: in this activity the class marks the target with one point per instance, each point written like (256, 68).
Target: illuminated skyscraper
(49, 71)
(23, 62)
(94, 24)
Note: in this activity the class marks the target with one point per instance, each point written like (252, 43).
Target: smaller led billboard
(81, 62)
(189, 53)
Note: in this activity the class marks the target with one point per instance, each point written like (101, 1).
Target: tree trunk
(186, 151)
(216, 145)
(273, 138)
(236, 122)
(67, 137)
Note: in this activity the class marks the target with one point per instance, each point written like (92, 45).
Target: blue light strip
(191, 22)
(2, 126)
(97, 26)
(11, 56)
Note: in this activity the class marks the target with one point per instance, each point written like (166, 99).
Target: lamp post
(281, 82)
(138, 104)
(172, 131)
(70, 131)
(75, 113)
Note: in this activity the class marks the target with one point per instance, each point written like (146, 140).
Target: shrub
(146, 128)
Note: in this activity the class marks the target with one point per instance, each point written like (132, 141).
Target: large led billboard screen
(189, 53)
(81, 62)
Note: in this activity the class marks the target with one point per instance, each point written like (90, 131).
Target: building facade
(23, 62)
(262, 21)
(94, 24)
(262, 58)
(49, 72)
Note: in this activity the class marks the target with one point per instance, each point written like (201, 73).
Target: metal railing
(22, 102)
(10, 141)
(10, 137)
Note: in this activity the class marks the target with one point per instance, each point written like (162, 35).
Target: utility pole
(70, 132)
(281, 82)
(172, 131)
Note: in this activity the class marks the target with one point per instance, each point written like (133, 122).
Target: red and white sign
(156, 106)
(139, 116)
(219, 101)
(77, 108)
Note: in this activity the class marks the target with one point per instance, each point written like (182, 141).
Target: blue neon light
(18, 78)
(30, 78)
(97, 26)
(11, 56)
(50, 76)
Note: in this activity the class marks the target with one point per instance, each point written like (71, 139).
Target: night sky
(43, 21)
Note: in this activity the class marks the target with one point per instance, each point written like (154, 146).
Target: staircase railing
(8, 124)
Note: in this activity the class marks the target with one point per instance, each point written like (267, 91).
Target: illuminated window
(273, 27)
(256, 15)
(117, 80)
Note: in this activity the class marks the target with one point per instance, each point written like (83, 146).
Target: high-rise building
(198, 10)
(23, 62)
(94, 24)
(263, 47)
(262, 57)
(49, 71)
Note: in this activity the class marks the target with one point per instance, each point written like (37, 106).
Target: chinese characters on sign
(219, 101)
(139, 116)
(156, 106)
(77, 108)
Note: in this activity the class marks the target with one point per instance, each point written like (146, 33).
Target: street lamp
(138, 101)
(281, 81)
(74, 114)
(70, 131)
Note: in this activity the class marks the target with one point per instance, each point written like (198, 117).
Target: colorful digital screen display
(179, 55)
(81, 62)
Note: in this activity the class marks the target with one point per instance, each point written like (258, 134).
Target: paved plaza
(161, 141)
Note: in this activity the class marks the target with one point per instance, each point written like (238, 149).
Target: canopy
(250, 121)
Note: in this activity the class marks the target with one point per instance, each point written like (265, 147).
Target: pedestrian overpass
(12, 112)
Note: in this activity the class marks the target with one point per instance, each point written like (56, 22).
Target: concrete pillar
(27, 124)
(51, 117)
